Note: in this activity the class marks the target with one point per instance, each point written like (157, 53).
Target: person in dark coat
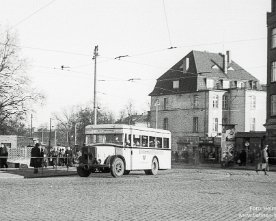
(243, 158)
(36, 157)
(3, 156)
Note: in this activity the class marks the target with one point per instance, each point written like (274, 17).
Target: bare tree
(16, 94)
(71, 123)
(126, 114)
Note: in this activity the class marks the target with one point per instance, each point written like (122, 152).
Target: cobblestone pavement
(178, 194)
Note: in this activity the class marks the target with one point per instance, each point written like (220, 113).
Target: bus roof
(124, 126)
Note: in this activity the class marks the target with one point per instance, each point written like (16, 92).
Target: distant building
(14, 141)
(141, 120)
(271, 79)
(202, 92)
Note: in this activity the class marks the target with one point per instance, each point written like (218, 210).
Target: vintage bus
(119, 149)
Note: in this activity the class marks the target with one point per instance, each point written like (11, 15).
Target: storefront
(187, 149)
(248, 147)
(208, 151)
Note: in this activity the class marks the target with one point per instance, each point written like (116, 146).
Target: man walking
(36, 157)
(265, 160)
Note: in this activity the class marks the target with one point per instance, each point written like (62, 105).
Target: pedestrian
(68, 155)
(36, 157)
(243, 158)
(263, 161)
(3, 156)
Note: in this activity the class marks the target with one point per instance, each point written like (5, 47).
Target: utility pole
(42, 135)
(55, 136)
(75, 134)
(50, 133)
(95, 84)
(31, 126)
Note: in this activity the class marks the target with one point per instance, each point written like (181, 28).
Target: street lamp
(157, 103)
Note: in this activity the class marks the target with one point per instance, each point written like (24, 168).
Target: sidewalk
(29, 172)
(217, 166)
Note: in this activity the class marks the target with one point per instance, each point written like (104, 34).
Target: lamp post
(157, 103)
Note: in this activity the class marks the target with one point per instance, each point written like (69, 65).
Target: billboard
(227, 142)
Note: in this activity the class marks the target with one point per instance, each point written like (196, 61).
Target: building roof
(204, 64)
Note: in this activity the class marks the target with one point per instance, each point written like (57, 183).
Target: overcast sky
(53, 33)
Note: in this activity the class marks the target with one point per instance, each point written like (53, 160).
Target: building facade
(271, 80)
(199, 94)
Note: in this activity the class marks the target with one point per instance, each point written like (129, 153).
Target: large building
(271, 79)
(199, 94)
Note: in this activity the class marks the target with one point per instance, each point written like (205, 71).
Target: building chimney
(228, 54)
(225, 63)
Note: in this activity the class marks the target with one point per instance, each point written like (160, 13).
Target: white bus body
(123, 148)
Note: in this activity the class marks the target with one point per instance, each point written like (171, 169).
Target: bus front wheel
(82, 172)
(154, 167)
(117, 167)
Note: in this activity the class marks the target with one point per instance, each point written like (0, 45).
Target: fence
(19, 153)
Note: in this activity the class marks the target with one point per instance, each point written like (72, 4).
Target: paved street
(178, 194)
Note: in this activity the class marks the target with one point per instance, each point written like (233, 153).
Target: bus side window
(166, 143)
(136, 140)
(145, 141)
(127, 140)
(159, 142)
(152, 141)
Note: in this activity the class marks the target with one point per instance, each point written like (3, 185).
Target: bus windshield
(106, 138)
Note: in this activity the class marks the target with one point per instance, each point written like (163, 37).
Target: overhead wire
(32, 14)
(167, 24)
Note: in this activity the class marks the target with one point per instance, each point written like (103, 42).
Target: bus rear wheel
(154, 167)
(82, 172)
(117, 167)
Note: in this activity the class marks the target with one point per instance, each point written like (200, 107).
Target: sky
(55, 33)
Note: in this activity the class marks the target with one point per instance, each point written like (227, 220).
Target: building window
(273, 105)
(175, 84)
(224, 120)
(166, 124)
(252, 100)
(273, 38)
(195, 124)
(195, 102)
(252, 124)
(215, 101)
(209, 83)
(273, 71)
(225, 102)
(165, 103)
(215, 125)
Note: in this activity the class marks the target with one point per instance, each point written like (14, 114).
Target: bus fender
(110, 159)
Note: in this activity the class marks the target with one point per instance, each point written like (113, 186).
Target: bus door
(127, 151)
(136, 158)
(140, 152)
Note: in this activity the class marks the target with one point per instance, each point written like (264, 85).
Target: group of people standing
(3, 156)
(41, 157)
